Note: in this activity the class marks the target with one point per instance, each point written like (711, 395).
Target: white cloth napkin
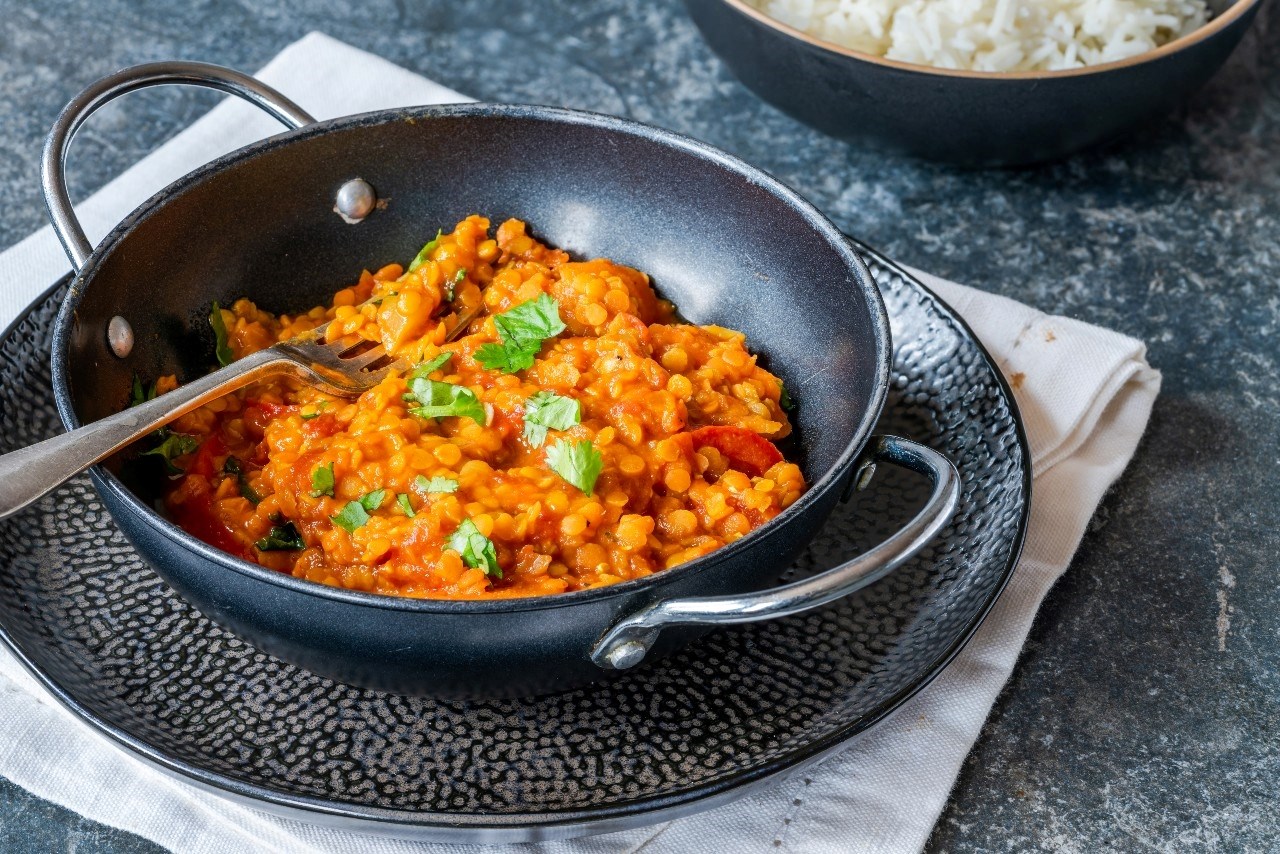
(1085, 393)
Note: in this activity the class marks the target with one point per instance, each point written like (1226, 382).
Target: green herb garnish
(352, 516)
(221, 348)
(174, 445)
(475, 548)
(427, 368)
(425, 255)
(320, 407)
(437, 400)
(137, 395)
(579, 463)
(435, 484)
(356, 513)
(784, 397)
(403, 500)
(281, 538)
(232, 467)
(322, 481)
(521, 330)
(548, 410)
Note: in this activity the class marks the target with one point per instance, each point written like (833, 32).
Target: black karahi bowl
(726, 242)
(972, 118)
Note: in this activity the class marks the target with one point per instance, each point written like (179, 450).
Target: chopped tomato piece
(746, 451)
(204, 463)
(302, 470)
(323, 425)
(507, 424)
(196, 516)
(259, 413)
(261, 454)
(269, 409)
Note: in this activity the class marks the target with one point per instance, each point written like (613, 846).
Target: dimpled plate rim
(529, 827)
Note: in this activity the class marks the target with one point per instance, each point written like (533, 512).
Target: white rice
(993, 35)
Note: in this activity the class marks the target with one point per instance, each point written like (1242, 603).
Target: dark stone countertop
(1144, 713)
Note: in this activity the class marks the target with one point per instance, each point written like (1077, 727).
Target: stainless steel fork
(341, 368)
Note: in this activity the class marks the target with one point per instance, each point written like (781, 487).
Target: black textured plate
(130, 658)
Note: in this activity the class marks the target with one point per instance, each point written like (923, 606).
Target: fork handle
(29, 473)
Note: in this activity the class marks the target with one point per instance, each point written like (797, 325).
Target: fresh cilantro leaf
(505, 358)
(322, 481)
(784, 397)
(475, 548)
(430, 366)
(425, 255)
(373, 500)
(548, 410)
(531, 321)
(221, 348)
(138, 395)
(579, 463)
(437, 400)
(169, 447)
(232, 467)
(435, 484)
(351, 516)
(281, 538)
(403, 500)
(356, 513)
(174, 445)
(521, 330)
(451, 287)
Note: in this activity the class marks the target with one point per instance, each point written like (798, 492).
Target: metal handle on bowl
(53, 160)
(627, 642)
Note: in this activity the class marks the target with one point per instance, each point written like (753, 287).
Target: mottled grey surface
(1143, 714)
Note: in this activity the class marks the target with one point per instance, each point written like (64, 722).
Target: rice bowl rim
(1213, 26)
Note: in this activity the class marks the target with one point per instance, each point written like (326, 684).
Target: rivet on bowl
(120, 336)
(627, 655)
(355, 201)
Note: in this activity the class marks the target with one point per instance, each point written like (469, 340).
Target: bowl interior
(728, 245)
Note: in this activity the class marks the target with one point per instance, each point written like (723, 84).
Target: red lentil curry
(574, 434)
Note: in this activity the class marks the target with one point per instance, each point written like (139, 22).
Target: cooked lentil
(681, 418)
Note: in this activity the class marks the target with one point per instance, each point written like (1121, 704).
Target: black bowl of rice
(974, 82)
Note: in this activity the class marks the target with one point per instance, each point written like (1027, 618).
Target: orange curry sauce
(660, 447)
